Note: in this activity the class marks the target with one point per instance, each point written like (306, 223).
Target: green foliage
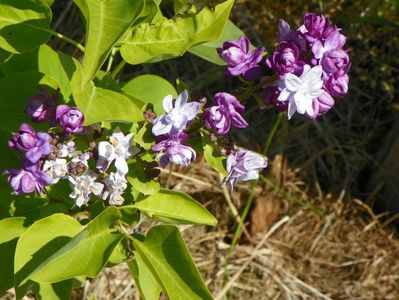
(212, 157)
(175, 207)
(24, 25)
(140, 181)
(167, 257)
(171, 38)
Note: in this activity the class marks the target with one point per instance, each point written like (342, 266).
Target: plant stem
(111, 59)
(118, 68)
(67, 39)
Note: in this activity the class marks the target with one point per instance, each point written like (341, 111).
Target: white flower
(177, 115)
(301, 91)
(83, 186)
(66, 150)
(56, 168)
(115, 184)
(82, 158)
(119, 149)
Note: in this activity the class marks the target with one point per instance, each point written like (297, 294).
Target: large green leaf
(140, 181)
(85, 254)
(40, 241)
(10, 230)
(208, 51)
(24, 25)
(106, 23)
(166, 255)
(177, 207)
(173, 37)
(150, 89)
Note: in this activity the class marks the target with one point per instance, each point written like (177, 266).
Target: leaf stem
(118, 68)
(66, 39)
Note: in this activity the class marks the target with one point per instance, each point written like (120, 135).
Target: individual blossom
(178, 114)
(70, 119)
(286, 59)
(56, 168)
(321, 105)
(337, 87)
(300, 91)
(119, 148)
(271, 94)
(79, 164)
(29, 179)
(34, 144)
(115, 185)
(335, 63)
(173, 150)
(227, 112)
(42, 107)
(286, 34)
(314, 27)
(240, 60)
(84, 186)
(243, 165)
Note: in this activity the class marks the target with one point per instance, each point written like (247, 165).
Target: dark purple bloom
(286, 59)
(29, 179)
(173, 150)
(321, 105)
(335, 63)
(285, 34)
(70, 118)
(314, 27)
(337, 87)
(271, 98)
(227, 112)
(240, 60)
(42, 107)
(34, 144)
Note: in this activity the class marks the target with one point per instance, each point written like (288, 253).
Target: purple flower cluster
(317, 42)
(170, 128)
(226, 113)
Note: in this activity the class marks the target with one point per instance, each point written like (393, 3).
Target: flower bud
(24, 140)
(41, 107)
(70, 118)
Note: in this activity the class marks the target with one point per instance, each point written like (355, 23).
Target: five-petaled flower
(83, 186)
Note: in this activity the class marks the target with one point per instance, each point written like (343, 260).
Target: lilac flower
(34, 144)
(66, 150)
(314, 27)
(84, 186)
(321, 105)
(300, 91)
(228, 112)
(42, 107)
(285, 34)
(56, 169)
(115, 185)
(29, 179)
(271, 98)
(243, 165)
(119, 148)
(70, 118)
(335, 63)
(177, 115)
(173, 150)
(286, 59)
(240, 60)
(337, 87)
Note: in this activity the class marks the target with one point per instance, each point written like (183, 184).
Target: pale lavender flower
(42, 107)
(84, 186)
(177, 116)
(321, 105)
(70, 119)
(66, 150)
(337, 87)
(56, 168)
(243, 165)
(286, 59)
(240, 60)
(173, 150)
(115, 185)
(300, 91)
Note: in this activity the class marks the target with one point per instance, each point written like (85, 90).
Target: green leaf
(144, 137)
(208, 51)
(142, 88)
(85, 254)
(147, 284)
(56, 291)
(166, 255)
(212, 157)
(177, 207)
(106, 23)
(10, 230)
(140, 181)
(173, 37)
(40, 241)
(24, 25)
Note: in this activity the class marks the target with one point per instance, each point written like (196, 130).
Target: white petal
(302, 103)
(181, 100)
(191, 110)
(168, 103)
(121, 165)
(314, 74)
(161, 127)
(292, 82)
(284, 95)
(291, 108)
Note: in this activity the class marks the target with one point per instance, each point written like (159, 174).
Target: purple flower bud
(321, 105)
(240, 60)
(174, 151)
(286, 59)
(271, 98)
(42, 107)
(335, 62)
(228, 112)
(70, 118)
(337, 87)
(314, 26)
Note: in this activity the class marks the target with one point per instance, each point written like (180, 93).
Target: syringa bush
(82, 152)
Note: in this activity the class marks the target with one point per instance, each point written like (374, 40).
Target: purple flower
(335, 62)
(337, 87)
(271, 98)
(42, 107)
(285, 34)
(70, 118)
(240, 60)
(34, 144)
(30, 178)
(227, 112)
(174, 151)
(314, 27)
(321, 105)
(243, 165)
(286, 59)
(177, 116)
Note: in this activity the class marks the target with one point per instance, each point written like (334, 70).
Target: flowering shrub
(84, 171)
